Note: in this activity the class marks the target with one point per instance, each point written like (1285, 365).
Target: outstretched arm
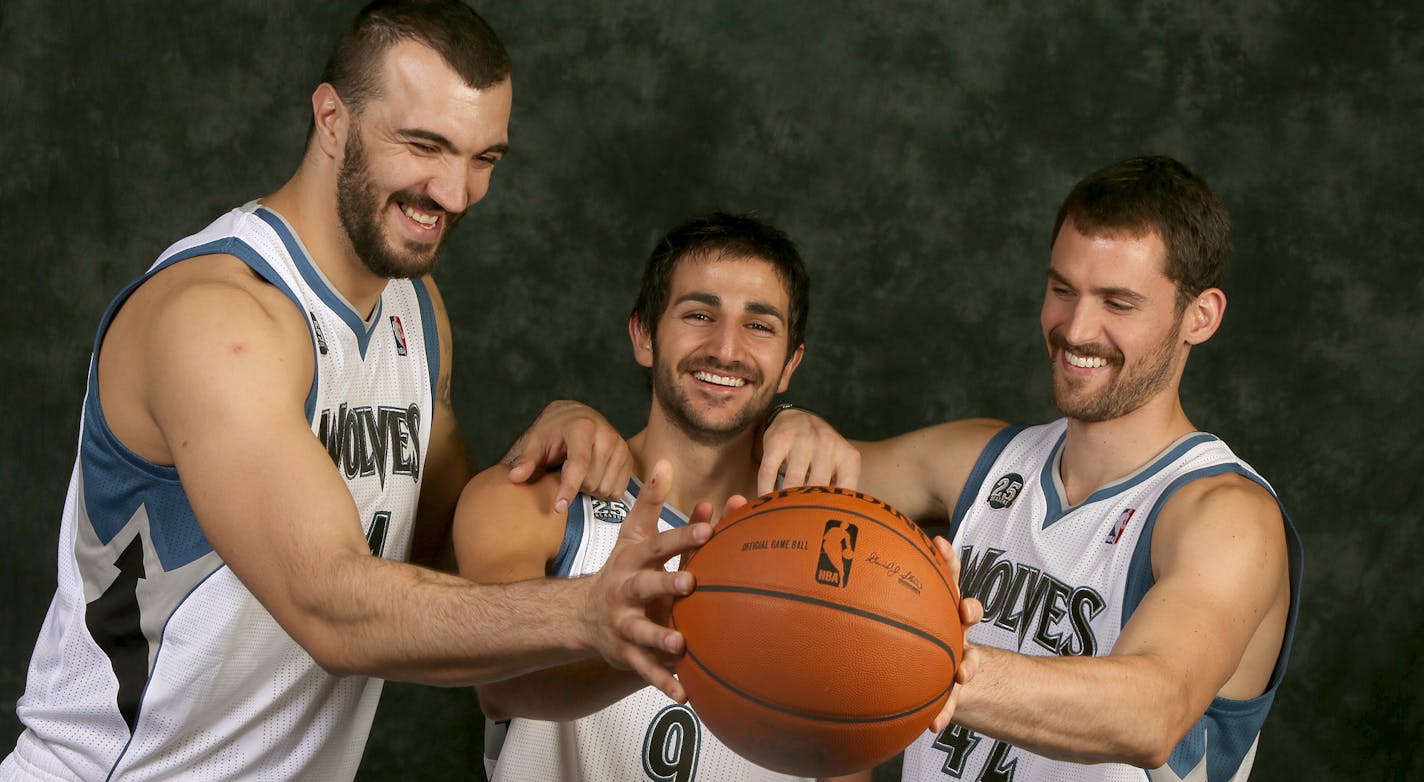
(1212, 625)
(224, 365)
(921, 472)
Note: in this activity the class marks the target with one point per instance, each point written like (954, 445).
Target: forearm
(561, 693)
(398, 621)
(1086, 710)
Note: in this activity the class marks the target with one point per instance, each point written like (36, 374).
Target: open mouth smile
(719, 380)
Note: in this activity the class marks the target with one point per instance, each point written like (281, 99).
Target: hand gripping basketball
(633, 581)
(824, 634)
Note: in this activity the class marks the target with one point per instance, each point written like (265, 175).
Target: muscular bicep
(226, 379)
(1216, 612)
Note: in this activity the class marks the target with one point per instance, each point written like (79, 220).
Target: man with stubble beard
(268, 440)
(1139, 580)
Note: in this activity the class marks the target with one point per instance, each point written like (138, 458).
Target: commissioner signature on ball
(906, 577)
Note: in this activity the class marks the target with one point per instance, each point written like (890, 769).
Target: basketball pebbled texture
(823, 634)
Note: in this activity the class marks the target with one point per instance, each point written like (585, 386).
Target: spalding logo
(837, 551)
(1006, 490)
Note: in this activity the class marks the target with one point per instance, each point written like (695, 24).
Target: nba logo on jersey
(316, 329)
(399, 331)
(837, 550)
(1120, 526)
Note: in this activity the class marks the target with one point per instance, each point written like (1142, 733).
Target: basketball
(823, 635)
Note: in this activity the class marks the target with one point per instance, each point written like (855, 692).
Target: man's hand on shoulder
(799, 448)
(595, 457)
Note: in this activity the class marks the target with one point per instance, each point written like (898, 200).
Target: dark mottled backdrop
(916, 150)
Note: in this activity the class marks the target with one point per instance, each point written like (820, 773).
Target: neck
(1098, 453)
(308, 202)
(701, 472)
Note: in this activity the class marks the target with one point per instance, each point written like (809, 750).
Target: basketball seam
(808, 714)
(861, 612)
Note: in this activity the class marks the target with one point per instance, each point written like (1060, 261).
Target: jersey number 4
(959, 743)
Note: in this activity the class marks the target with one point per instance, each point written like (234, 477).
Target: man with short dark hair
(1140, 581)
(719, 323)
(268, 435)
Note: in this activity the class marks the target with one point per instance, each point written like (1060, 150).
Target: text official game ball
(823, 634)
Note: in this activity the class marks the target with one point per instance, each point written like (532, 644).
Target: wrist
(775, 411)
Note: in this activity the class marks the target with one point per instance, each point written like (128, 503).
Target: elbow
(1159, 740)
(334, 657)
(1154, 756)
(494, 707)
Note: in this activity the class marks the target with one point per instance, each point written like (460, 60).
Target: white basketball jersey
(154, 661)
(1063, 580)
(645, 736)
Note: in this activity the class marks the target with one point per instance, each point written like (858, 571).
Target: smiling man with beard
(268, 438)
(719, 323)
(1140, 581)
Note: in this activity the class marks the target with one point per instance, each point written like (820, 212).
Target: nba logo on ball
(818, 677)
(837, 551)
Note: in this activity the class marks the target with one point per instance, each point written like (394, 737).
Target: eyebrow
(1110, 292)
(713, 300)
(444, 143)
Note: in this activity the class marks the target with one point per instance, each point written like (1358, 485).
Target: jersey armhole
(563, 564)
(987, 457)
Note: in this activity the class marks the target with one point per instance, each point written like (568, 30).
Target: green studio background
(917, 151)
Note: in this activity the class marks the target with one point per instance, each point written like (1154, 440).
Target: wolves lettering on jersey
(1020, 597)
(155, 661)
(1059, 579)
(364, 442)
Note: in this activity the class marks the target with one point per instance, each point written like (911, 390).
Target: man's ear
(1203, 316)
(792, 363)
(642, 340)
(332, 120)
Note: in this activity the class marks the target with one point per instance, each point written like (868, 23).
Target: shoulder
(217, 291)
(501, 525)
(211, 321)
(492, 487)
(1228, 495)
(974, 434)
(1227, 511)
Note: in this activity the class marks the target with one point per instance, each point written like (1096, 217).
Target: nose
(726, 341)
(456, 188)
(1082, 325)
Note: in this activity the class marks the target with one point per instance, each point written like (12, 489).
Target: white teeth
(428, 221)
(721, 380)
(1086, 362)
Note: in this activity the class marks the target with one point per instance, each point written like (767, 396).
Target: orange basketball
(824, 632)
